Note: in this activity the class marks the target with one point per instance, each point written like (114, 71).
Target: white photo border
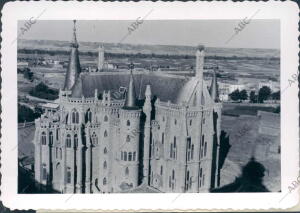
(286, 12)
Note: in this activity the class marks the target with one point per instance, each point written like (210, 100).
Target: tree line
(43, 91)
(263, 94)
(141, 55)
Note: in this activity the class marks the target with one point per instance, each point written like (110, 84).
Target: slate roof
(165, 87)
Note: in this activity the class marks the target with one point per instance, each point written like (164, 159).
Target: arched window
(163, 138)
(75, 141)
(191, 122)
(174, 149)
(189, 148)
(56, 152)
(173, 179)
(88, 116)
(126, 171)
(175, 122)
(105, 118)
(50, 138)
(128, 138)
(187, 180)
(94, 139)
(104, 165)
(69, 175)
(129, 156)
(57, 133)
(104, 181)
(192, 153)
(44, 139)
(75, 117)
(44, 172)
(105, 151)
(125, 156)
(128, 123)
(105, 133)
(60, 153)
(134, 156)
(205, 148)
(68, 141)
(161, 170)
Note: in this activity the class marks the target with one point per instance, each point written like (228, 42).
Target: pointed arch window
(68, 141)
(105, 118)
(192, 152)
(57, 133)
(105, 165)
(173, 180)
(56, 152)
(105, 134)
(104, 181)
(128, 138)
(94, 139)
(128, 123)
(75, 141)
(69, 175)
(105, 150)
(130, 156)
(134, 156)
(88, 116)
(173, 149)
(60, 153)
(44, 172)
(189, 148)
(44, 139)
(50, 138)
(75, 117)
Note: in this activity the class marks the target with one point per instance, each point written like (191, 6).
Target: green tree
(43, 91)
(27, 114)
(253, 97)
(235, 95)
(276, 95)
(243, 95)
(263, 94)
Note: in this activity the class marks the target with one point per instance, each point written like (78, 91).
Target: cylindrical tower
(130, 116)
(129, 147)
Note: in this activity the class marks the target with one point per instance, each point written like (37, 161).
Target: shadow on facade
(28, 185)
(251, 180)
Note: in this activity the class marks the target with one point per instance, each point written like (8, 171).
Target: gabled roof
(174, 88)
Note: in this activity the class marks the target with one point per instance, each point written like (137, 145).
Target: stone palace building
(120, 131)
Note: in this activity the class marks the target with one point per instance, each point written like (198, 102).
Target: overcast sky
(211, 33)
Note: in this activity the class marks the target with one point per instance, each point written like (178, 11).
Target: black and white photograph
(99, 117)
(146, 105)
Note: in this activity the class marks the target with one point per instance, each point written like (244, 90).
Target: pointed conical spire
(214, 88)
(130, 101)
(74, 64)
